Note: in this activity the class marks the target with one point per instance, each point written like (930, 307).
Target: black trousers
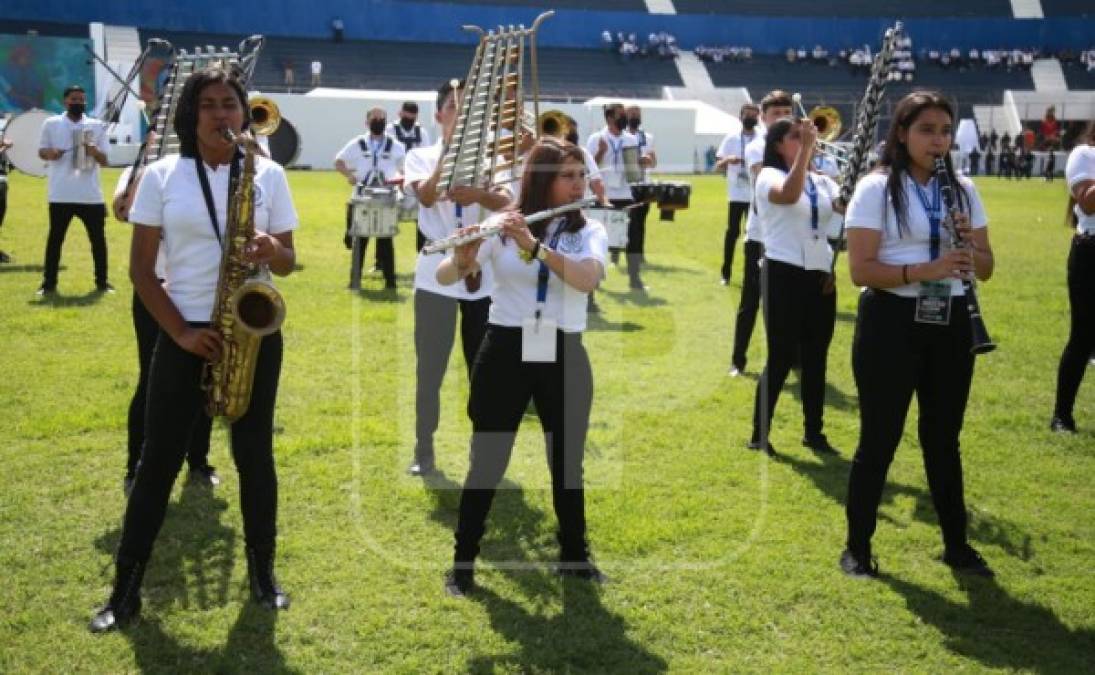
(3, 201)
(175, 399)
(147, 331)
(385, 252)
(734, 213)
(434, 333)
(636, 240)
(501, 387)
(749, 302)
(93, 217)
(1081, 335)
(892, 358)
(799, 319)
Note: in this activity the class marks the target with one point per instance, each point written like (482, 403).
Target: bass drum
(284, 143)
(25, 131)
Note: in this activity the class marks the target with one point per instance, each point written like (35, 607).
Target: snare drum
(645, 192)
(673, 196)
(408, 207)
(633, 171)
(615, 222)
(374, 211)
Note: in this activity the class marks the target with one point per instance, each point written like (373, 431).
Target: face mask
(749, 123)
(634, 122)
(621, 122)
(407, 123)
(76, 109)
(377, 126)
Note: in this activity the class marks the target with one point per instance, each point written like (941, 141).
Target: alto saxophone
(247, 305)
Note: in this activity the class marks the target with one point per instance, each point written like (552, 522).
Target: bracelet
(905, 274)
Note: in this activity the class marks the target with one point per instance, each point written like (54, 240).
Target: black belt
(1086, 239)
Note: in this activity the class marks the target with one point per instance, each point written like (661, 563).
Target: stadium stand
(852, 8)
(609, 5)
(49, 29)
(1078, 76)
(1068, 8)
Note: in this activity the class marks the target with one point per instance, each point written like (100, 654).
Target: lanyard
(811, 192)
(542, 274)
(617, 148)
(459, 216)
(233, 176)
(934, 210)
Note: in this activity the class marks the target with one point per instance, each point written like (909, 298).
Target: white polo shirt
(612, 163)
(754, 155)
(380, 159)
(787, 227)
(872, 209)
(739, 186)
(515, 281)
(66, 185)
(437, 222)
(1081, 167)
(170, 197)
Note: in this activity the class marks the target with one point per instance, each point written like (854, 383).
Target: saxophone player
(186, 198)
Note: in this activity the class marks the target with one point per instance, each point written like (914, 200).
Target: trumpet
(491, 229)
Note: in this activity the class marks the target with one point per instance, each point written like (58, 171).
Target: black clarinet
(981, 343)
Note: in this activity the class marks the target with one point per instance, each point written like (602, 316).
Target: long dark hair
(776, 133)
(1088, 137)
(896, 159)
(544, 162)
(186, 113)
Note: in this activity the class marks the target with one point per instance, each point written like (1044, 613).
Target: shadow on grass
(1000, 631)
(833, 396)
(11, 267)
(61, 300)
(830, 476)
(634, 297)
(599, 323)
(380, 294)
(192, 562)
(584, 636)
(250, 647)
(670, 269)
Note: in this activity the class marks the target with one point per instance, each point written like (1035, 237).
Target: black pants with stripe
(501, 388)
(894, 357)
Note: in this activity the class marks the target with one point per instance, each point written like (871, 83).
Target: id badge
(538, 340)
(933, 303)
(816, 254)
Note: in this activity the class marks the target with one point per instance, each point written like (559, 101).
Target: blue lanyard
(934, 210)
(459, 216)
(811, 192)
(542, 274)
(617, 148)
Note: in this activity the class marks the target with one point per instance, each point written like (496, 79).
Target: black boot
(264, 586)
(124, 604)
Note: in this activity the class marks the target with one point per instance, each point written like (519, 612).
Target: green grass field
(721, 559)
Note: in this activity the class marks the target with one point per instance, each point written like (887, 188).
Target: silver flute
(485, 231)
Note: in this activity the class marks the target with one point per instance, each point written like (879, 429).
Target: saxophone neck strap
(207, 192)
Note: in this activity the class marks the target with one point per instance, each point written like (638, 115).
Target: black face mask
(621, 122)
(377, 126)
(407, 123)
(76, 109)
(634, 122)
(749, 123)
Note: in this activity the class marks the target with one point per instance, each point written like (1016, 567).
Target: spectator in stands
(317, 72)
(607, 42)
(1050, 130)
(337, 29)
(290, 77)
(791, 54)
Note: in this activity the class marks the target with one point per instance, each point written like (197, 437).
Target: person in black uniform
(533, 350)
(912, 334)
(5, 167)
(183, 201)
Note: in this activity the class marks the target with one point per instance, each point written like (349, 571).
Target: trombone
(828, 123)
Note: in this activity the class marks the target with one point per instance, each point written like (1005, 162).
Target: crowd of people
(732, 53)
(661, 45)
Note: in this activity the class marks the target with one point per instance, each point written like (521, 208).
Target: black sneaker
(820, 444)
(766, 447)
(204, 475)
(858, 567)
(1062, 426)
(585, 571)
(104, 287)
(967, 561)
(44, 291)
(459, 582)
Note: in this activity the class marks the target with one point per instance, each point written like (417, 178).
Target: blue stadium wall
(437, 22)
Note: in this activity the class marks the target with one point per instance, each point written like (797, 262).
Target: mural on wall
(35, 70)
